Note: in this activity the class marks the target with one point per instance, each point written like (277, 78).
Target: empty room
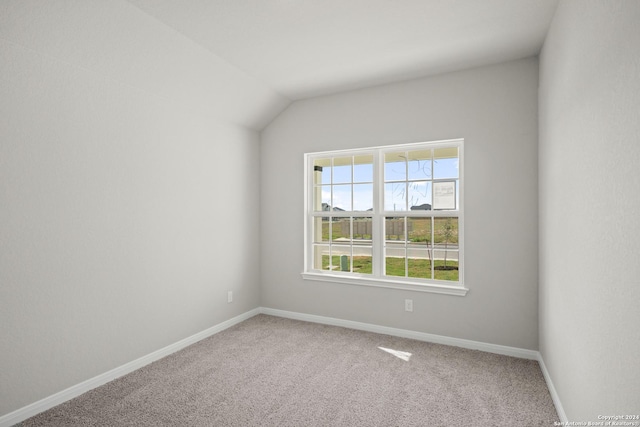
(319, 213)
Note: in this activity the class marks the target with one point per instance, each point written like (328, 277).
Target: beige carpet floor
(270, 371)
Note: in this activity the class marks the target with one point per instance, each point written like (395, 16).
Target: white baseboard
(404, 333)
(78, 389)
(552, 390)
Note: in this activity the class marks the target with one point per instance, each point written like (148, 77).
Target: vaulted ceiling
(306, 48)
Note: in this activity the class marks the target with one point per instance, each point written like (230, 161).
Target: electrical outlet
(230, 296)
(408, 305)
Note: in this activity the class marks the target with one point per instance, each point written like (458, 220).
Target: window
(386, 216)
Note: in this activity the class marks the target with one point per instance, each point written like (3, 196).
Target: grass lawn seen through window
(420, 268)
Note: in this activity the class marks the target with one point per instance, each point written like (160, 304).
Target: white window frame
(377, 278)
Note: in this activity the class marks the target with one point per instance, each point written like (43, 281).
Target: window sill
(387, 283)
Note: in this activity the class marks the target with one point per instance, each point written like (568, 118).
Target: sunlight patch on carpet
(404, 355)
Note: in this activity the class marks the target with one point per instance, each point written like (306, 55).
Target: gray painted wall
(124, 191)
(589, 228)
(128, 173)
(495, 109)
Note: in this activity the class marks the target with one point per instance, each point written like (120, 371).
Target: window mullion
(433, 252)
(377, 237)
(351, 247)
(406, 211)
(330, 238)
(351, 218)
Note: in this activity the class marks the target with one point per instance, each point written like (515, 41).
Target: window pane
(362, 228)
(395, 263)
(395, 166)
(342, 197)
(445, 164)
(395, 244)
(394, 229)
(322, 198)
(341, 170)
(341, 262)
(420, 195)
(322, 171)
(321, 230)
(419, 164)
(341, 257)
(419, 231)
(445, 233)
(362, 260)
(395, 196)
(445, 195)
(446, 248)
(363, 169)
(341, 232)
(362, 197)
(317, 198)
(419, 263)
(446, 265)
(321, 257)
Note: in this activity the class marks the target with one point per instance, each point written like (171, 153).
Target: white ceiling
(306, 48)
